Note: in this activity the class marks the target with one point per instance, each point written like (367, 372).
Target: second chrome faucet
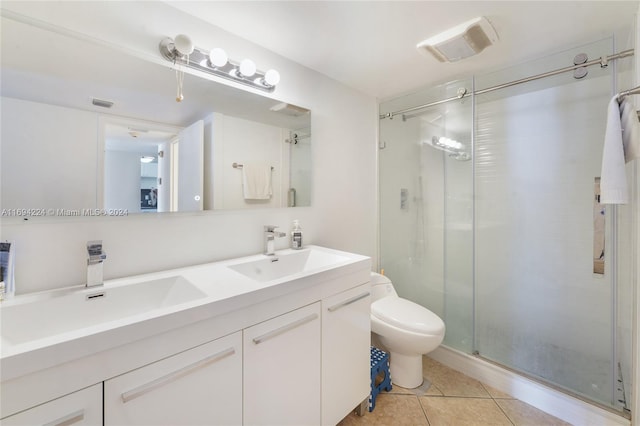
(95, 263)
(270, 235)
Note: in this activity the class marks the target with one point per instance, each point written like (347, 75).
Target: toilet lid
(405, 314)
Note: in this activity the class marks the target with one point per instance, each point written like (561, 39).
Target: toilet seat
(406, 315)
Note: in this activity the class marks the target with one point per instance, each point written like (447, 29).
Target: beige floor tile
(391, 410)
(523, 414)
(451, 382)
(398, 390)
(496, 394)
(432, 390)
(463, 412)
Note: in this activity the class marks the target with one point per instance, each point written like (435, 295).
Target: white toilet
(406, 329)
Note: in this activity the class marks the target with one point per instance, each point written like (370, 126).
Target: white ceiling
(370, 45)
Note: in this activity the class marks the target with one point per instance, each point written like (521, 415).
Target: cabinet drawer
(200, 386)
(83, 407)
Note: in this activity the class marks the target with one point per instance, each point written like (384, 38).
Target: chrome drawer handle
(284, 329)
(348, 302)
(168, 378)
(67, 420)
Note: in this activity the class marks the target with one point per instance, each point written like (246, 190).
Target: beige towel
(256, 181)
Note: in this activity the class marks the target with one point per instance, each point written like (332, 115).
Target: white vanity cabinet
(200, 386)
(282, 369)
(346, 341)
(282, 351)
(83, 407)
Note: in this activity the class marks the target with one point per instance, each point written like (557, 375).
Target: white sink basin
(51, 316)
(270, 268)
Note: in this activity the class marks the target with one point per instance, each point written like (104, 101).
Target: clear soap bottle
(296, 236)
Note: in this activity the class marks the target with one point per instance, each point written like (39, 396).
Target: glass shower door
(426, 206)
(541, 307)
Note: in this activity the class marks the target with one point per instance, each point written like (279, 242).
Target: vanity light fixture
(147, 159)
(216, 62)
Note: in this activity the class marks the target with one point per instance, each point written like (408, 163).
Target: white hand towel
(630, 130)
(256, 181)
(613, 179)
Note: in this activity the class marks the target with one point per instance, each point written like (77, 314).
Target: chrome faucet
(95, 263)
(270, 235)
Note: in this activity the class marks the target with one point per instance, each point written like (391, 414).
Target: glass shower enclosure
(489, 217)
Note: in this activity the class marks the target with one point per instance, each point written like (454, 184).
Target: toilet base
(406, 370)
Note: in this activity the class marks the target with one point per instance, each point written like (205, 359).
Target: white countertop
(224, 290)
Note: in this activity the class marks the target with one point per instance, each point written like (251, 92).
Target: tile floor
(452, 399)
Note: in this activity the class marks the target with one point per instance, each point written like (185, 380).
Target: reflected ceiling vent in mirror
(290, 110)
(102, 103)
(134, 133)
(461, 41)
(181, 51)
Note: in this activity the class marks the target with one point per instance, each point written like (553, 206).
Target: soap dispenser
(296, 236)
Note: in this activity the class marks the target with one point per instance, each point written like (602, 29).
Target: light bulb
(247, 67)
(271, 77)
(183, 44)
(218, 57)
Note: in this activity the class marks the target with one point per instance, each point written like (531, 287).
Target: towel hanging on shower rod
(621, 145)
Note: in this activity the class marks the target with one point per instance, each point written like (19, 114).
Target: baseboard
(549, 400)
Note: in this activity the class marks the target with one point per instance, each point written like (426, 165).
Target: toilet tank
(381, 286)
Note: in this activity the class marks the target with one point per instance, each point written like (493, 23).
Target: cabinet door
(282, 369)
(201, 386)
(346, 339)
(79, 408)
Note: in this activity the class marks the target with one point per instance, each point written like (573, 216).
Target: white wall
(299, 160)
(164, 174)
(64, 139)
(122, 180)
(343, 208)
(240, 141)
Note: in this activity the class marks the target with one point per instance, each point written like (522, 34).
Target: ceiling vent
(461, 41)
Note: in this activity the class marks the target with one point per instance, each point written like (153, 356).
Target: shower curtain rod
(602, 61)
(634, 91)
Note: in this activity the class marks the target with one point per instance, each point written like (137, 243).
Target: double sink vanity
(280, 339)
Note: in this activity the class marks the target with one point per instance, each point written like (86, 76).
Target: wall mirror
(85, 126)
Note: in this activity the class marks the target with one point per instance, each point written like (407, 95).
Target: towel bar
(239, 166)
